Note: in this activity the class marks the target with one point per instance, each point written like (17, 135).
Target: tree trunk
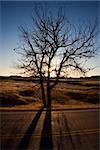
(48, 97)
(43, 93)
(48, 90)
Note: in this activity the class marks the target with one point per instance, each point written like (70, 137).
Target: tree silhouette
(53, 47)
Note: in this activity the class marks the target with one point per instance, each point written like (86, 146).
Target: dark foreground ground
(45, 129)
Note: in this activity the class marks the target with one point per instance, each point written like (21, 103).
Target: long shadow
(46, 137)
(68, 130)
(25, 141)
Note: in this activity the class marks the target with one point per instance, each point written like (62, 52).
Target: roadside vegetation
(21, 93)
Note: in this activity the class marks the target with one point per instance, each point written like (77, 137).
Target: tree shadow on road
(46, 137)
(69, 132)
(25, 141)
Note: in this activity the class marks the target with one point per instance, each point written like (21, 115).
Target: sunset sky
(13, 14)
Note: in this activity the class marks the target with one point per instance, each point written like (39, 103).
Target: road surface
(57, 130)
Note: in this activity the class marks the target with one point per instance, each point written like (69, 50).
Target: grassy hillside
(14, 93)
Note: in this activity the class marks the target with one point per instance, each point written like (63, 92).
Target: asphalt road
(57, 130)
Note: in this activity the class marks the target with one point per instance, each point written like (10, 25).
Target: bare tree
(54, 47)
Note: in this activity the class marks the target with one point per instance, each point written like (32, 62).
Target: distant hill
(20, 78)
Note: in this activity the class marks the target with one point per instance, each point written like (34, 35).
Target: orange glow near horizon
(12, 71)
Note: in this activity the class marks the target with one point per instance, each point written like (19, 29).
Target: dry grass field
(71, 93)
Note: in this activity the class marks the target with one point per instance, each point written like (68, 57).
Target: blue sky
(14, 14)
